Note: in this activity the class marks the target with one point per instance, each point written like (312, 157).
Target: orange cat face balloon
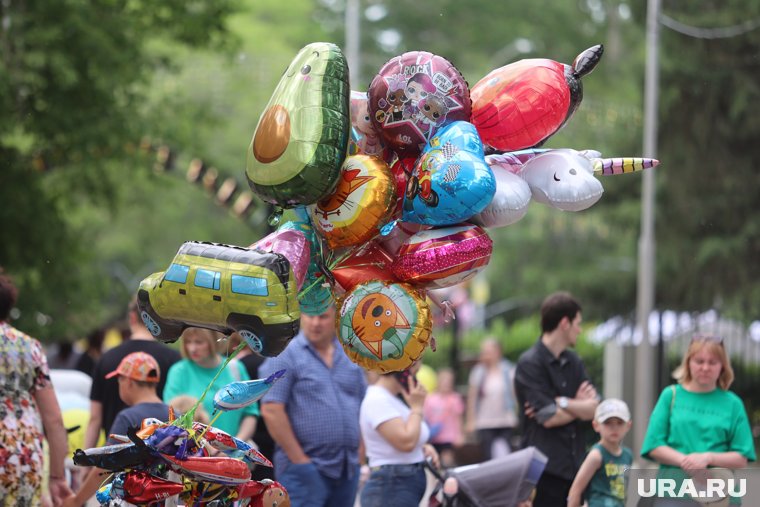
(375, 320)
(361, 204)
(383, 326)
(349, 181)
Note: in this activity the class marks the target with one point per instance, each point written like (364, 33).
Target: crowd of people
(336, 434)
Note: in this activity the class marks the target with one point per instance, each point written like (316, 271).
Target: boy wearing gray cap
(601, 475)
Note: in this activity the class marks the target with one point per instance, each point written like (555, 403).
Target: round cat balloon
(361, 204)
(384, 327)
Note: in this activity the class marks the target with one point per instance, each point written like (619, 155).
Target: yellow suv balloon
(224, 288)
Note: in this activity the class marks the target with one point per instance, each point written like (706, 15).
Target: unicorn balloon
(566, 179)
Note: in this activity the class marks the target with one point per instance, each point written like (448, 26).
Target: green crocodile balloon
(301, 139)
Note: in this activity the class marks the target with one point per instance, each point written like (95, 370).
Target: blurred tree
(708, 230)
(71, 79)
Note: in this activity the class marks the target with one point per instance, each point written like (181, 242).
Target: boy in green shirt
(601, 475)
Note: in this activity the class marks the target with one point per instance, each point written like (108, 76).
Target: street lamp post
(352, 41)
(645, 360)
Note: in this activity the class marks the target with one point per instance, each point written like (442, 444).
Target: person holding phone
(395, 437)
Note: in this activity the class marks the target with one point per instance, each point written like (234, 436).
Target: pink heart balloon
(291, 244)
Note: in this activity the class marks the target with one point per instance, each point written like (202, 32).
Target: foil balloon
(274, 494)
(302, 136)
(231, 446)
(216, 469)
(293, 245)
(362, 202)
(365, 136)
(401, 168)
(565, 179)
(384, 327)
(521, 104)
(371, 262)
(395, 233)
(451, 181)
(315, 298)
(141, 488)
(443, 257)
(112, 457)
(103, 495)
(254, 293)
(237, 395)
(511, 199)
(412, 96)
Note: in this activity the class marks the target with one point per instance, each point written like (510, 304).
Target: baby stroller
(500, 482)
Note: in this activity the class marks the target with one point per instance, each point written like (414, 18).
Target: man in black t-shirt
(104, 396)
(554, 391)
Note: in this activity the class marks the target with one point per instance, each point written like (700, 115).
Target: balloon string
(329, 265)
(216, 414)
(186, 420)
(107, 480)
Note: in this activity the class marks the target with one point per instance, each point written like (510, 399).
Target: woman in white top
(395, 437)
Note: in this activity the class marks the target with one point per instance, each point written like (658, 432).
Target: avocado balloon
(302, 136)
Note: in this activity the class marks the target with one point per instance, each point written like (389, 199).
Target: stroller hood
(503, 481)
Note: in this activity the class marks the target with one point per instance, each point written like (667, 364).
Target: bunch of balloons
(393, 189)
(161, 460)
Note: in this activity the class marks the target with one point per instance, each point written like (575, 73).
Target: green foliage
(70, 84)
(707, 228)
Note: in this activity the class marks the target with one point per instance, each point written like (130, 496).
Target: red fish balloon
(302, 136)
(521, 104)
(412, 96)
(384, 327)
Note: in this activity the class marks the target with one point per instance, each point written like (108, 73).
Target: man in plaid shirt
(312, 413)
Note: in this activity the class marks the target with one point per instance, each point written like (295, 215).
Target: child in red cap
(139, 375)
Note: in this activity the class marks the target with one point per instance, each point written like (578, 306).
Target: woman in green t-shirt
(698, 423)
(196, 372)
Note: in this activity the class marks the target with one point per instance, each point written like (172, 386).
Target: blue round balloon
(451, 181)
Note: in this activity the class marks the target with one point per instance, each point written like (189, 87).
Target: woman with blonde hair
(196, 372)
(698, 423)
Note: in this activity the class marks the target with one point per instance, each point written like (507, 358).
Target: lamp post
(645, 359)
(353, 42)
